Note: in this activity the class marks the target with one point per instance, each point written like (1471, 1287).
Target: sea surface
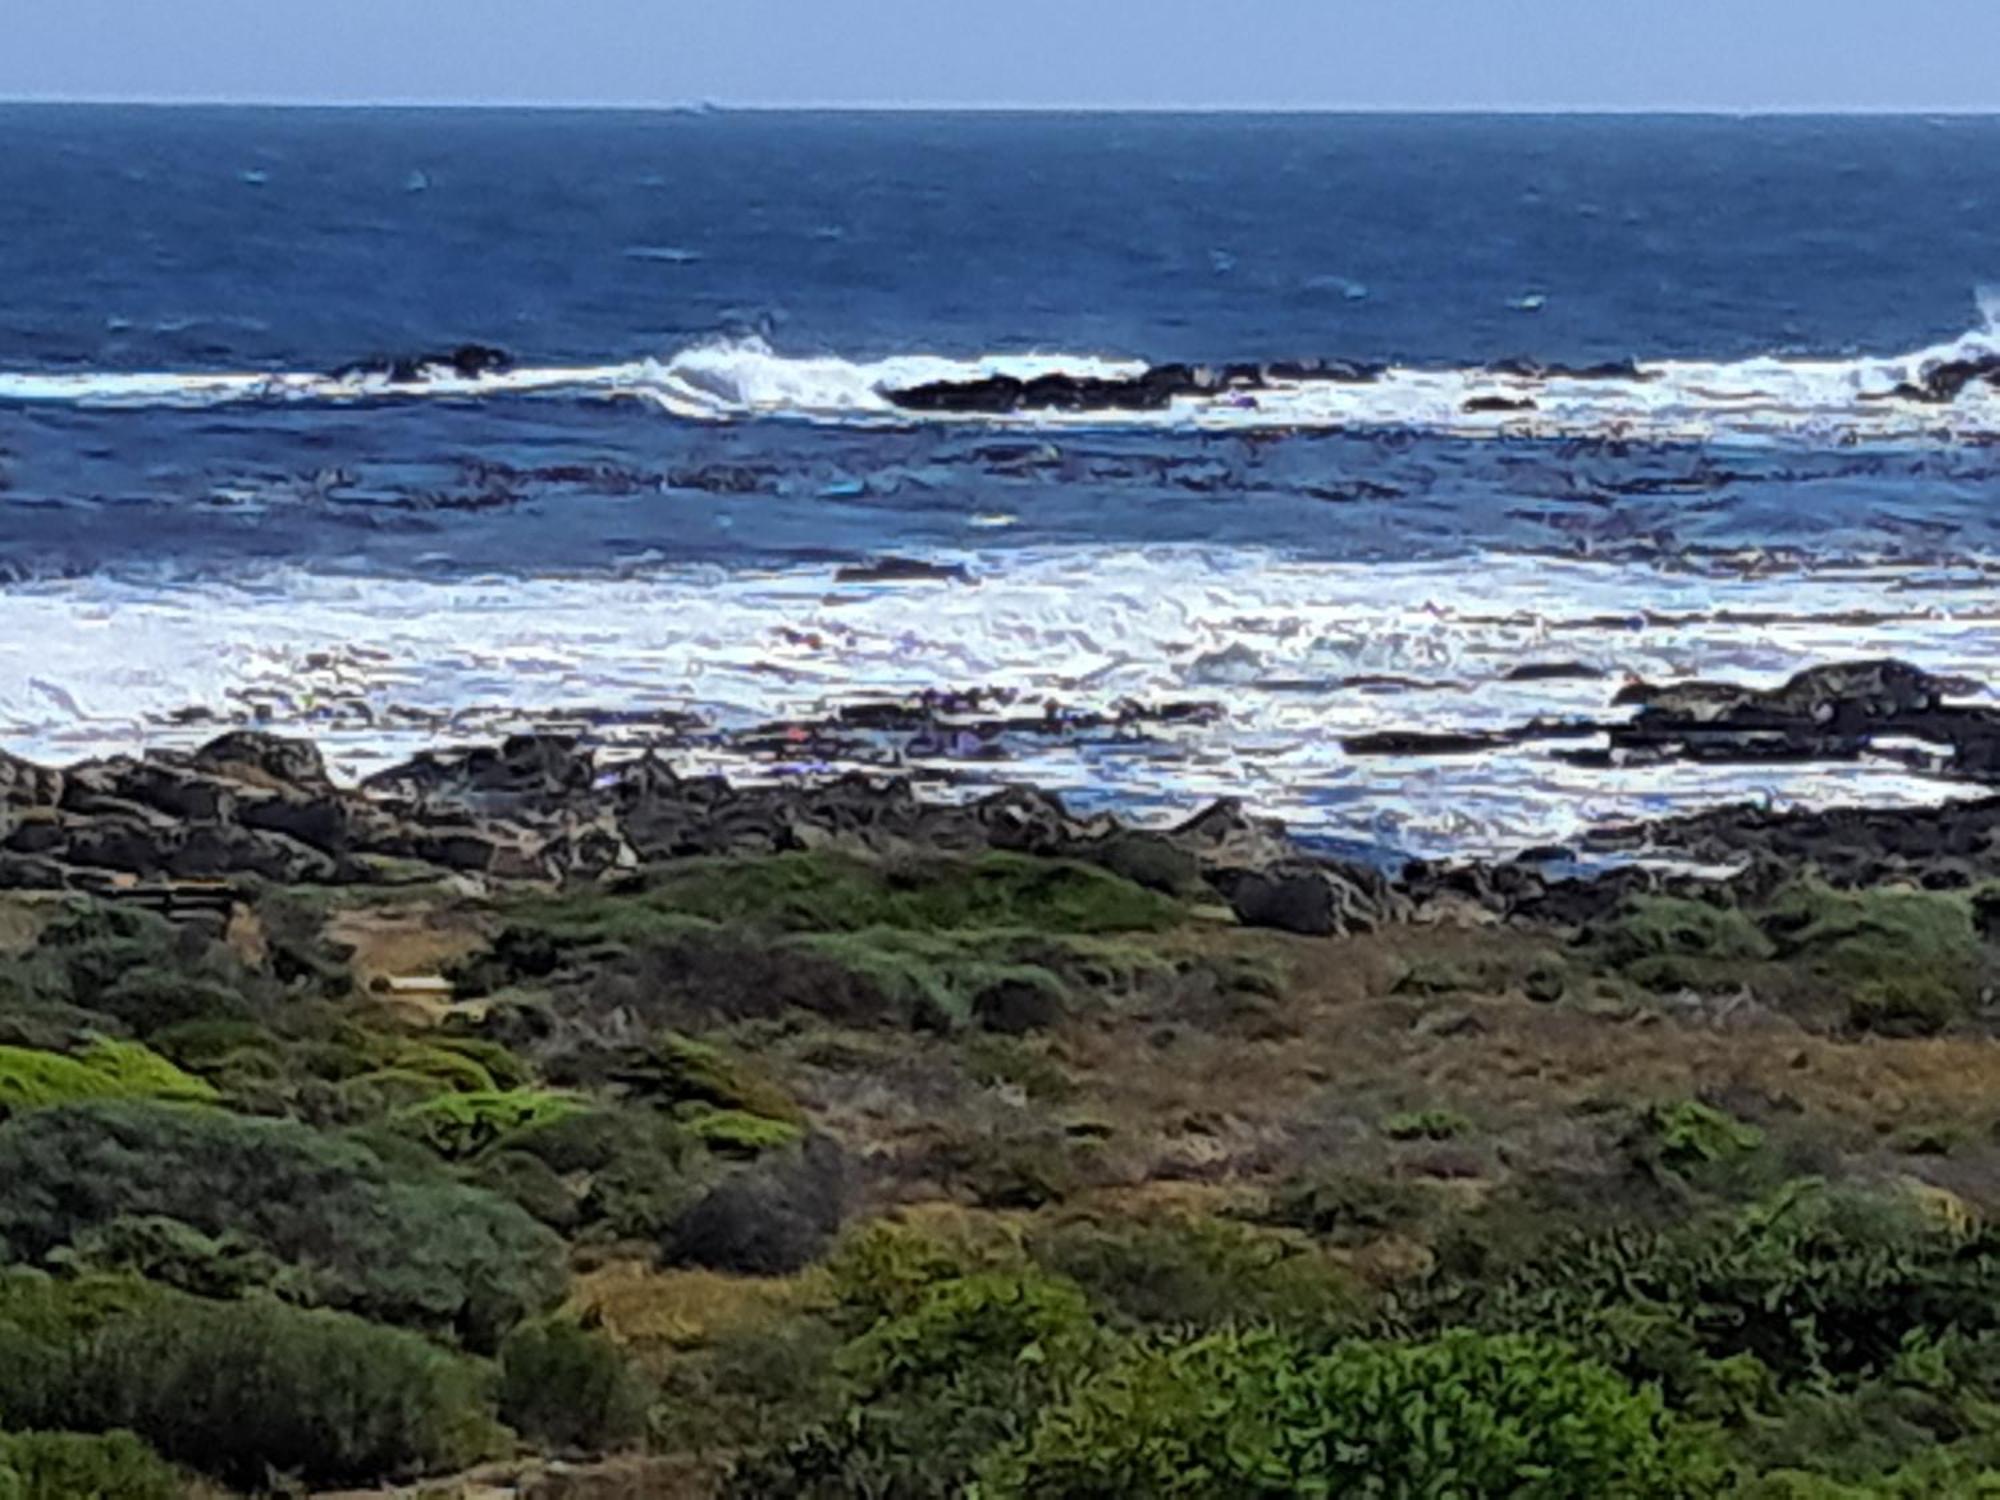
(1624, 402)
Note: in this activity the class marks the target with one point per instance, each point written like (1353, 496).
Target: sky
(1726, 55)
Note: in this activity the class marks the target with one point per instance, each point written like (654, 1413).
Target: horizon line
(702, 107)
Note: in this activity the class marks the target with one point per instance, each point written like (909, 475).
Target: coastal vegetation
(999, 1173)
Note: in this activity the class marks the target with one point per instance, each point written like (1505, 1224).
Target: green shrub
(934, 1389)
(1197, 1272)
(461, 1125)
(1348, 1207)
(1810, 1285)
(104, 1069)
(1904, 960)
(1426, 1125)
(1670, 942)
(240, 1389)
(1687, 1135)
(680, 1070)
(569, 1388)
(817, 892)
(1234, 1416)
(415, 1249)
(178, 1255)
(83, 1466)
(151, 998)
(735, 1132)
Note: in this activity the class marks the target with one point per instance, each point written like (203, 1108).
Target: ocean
(1467, 422)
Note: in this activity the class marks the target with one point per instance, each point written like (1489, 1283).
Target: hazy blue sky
(1357, 54)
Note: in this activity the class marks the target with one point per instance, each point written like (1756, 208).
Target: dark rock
(1473, 404)
(214, 851)
(1419, 742)
(1531, 369)
(902, 570)
(466, 362)
(1315, 900)
(1552, 671)
(25, 784)
(1223, 836)
(265, 760)
(1945, 380)
(1823, 712)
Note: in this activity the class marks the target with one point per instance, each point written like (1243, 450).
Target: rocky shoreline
(542, 807)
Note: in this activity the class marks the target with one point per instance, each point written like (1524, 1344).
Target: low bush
(1234, 1416)
(1185, 1271)
(457, 1126)
(569, 1388)
(103, 1069)
(1426, 1125)
(769, 1219)
(84, 1466)
(1348, 1207)
(242, 1389)
(415, 1249)
(1904, 961)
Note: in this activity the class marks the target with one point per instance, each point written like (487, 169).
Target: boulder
(1319, 899)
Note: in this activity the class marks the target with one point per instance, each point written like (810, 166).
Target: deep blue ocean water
(722, 299)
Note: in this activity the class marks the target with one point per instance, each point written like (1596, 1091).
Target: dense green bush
(934, 1389)
(83, 1466)
(421, 1250)
(1197, 1272)
(1235, 1416)
(102, 1069)
(1810, 1285)
(462, 1125)
(1905, 961)
(238, 1389)
(569, 1388)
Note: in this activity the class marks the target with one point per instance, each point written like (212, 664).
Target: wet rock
(465, 362)
(902, 570)
(254, 758)
(1315, 900)
(1944, 381)
(526, 772)
(1825, 712)
(25, 784)
(1474, 404)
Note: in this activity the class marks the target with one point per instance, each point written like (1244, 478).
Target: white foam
(378, 668)
(1761, 399)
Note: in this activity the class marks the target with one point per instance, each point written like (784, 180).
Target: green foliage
(238, 1389)
(1426, 1125)
(178, 1255)
(1670, 942)
(820, 892)
(83, 1466)
(457, 1126)
(1186, 1271)
(1905, 961)
(1246, 1415)
(1348, 1207)
(569, 1388)
(1011, 1062)
(104, 1069)
(935, 1388)
(421, 1250)
(735, 1132)
(681, 1070)
(1808, 1286)
(1687, 1135)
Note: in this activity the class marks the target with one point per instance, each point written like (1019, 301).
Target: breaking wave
(1947, 393)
